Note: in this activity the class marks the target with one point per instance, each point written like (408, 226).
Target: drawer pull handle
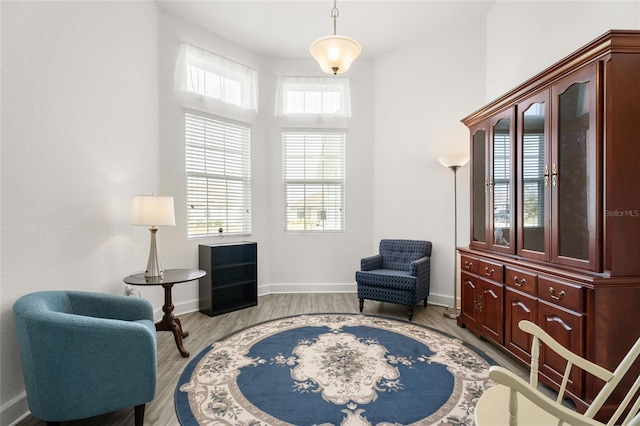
(488, 271)
(521, 283)
(560, 295)
(468, 264)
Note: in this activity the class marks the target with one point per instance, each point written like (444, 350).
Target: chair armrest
(370, 263)
(110, 306)
(507, 378)
(421, 267)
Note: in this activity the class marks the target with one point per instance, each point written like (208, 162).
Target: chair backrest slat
(535, 361)
(611, 379)
(635, 408)
(611, 384)
(565, 379)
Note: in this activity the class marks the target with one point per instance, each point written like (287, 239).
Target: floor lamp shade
(152, 211)
(454, 160)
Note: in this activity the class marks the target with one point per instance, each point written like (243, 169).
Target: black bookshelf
(231, 282)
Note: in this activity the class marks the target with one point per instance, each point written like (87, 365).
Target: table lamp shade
(152, 210)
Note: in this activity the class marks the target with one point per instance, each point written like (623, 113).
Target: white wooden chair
(514, 401)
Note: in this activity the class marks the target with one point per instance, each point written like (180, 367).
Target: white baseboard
(284, 288)
(14, 411)
(440, 299)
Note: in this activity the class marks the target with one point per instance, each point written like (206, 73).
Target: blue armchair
(85, 354)
(400, 273)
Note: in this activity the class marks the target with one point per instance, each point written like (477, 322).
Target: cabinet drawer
(561, 293)
(521, 280)
(491, 270)
(469, 264)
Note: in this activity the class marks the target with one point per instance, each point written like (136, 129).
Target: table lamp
(454, 163)
(153, 210)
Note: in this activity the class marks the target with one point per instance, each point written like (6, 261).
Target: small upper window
(211, 76)
(305, 96)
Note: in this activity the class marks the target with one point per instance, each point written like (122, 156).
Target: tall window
(314, 180)
(218, 176)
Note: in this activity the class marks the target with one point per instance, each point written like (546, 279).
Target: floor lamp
(454, 163)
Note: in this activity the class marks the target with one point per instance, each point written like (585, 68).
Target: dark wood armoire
(555, 212)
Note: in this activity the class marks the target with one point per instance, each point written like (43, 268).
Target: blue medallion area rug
(333, 369)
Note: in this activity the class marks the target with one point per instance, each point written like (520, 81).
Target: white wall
(79, 138)
(422, 92)
(526, 37)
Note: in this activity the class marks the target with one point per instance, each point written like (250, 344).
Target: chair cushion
(398, 254)
(388, 278)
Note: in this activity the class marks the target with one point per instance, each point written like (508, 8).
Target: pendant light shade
(335, 54)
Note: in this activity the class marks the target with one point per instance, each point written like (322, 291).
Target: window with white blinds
(313, 175)
(218, 176)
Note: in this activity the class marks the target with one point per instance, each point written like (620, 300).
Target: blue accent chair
(400, 273)
(85, 354)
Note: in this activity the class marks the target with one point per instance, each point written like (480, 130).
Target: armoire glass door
(501, 182)
(573, 170)
(479, 190)
(534, 177)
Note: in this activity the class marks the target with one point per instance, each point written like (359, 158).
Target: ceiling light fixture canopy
(335, 53)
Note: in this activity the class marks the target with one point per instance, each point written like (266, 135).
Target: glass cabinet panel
(501, 182)
(478, 165)
(570, 173)
(534, 172)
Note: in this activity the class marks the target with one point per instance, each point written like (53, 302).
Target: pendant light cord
(334, 14)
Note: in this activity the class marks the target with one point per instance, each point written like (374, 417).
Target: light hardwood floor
(203, 330)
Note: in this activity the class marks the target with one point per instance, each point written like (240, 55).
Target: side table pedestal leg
(170, 323)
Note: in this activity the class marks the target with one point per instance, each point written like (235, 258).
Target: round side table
(171, 276)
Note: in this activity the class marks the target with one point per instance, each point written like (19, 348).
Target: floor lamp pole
(453, 312)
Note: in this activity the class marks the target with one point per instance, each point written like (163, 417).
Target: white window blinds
(218, 176)
(314, 181)
(305, 96)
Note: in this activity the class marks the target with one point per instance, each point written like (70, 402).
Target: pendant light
(335, 53)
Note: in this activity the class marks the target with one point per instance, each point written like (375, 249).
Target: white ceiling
(287, 28)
